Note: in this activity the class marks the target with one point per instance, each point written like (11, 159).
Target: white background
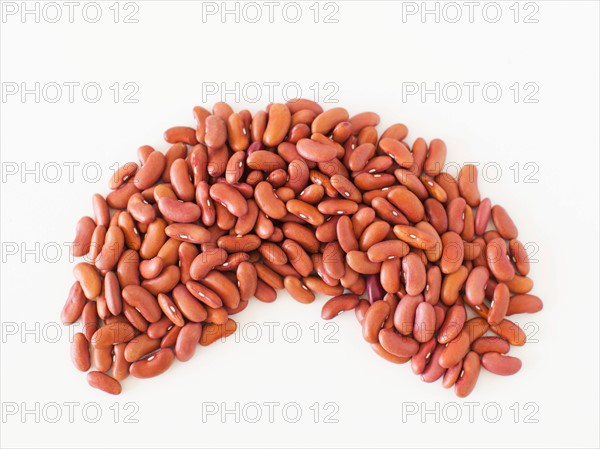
(368, 55)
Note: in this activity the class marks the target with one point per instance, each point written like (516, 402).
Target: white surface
(369, 53)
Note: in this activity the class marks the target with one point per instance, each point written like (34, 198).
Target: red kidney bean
(419, 361)
(80, 352)
(503, 365)
(415, 275)
(187, 341)
(490, 344)
(311, 201)
(482, 217)
(153, 365)
(467, 184)
(453, 324)
(433, 371)
(498, 260)
(74, 304)
(504, 223)
(524, 303)
(103, 382)
(468, 376)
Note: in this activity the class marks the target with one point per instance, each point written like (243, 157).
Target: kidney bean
(170, 310)
(215, 134)
(499, 305)
(112, 292)
(424, 322)
(419, 361)
(475, 285)
(181, 134)
(396, 344)
(83, 236)
(519, 256)
(389, 276)
(396, 150)
(408, 203)
(144, 301)
(524, 303)
(151, 171)
(308, 200)
(120, 367)
(467, 184)
(213, 332)
(223, 287)
(359, 262)
(451, 375)
(498, 260)
(122, 174)
(504, 223)
(139, 347)
(102, 358)
(490, 344)
(300, 104)
(326, 121)
(503, 365)
(153, 365)
(180, 180)
(468, 376)
(80, 352)
(374, 319)
(176, 151)
(452, 253)
(103, 382)
(298, 290)
(454, 321)
(452, 284)
(509, 331)
(187, 341)
(458, 348)
(436, 157)
(269, 276)
(89, 318)
(433, 285)
(278, 123)
(89, 279)
(74, 304)
(417, 238)
(112, 334)
(220, 315)
(378, 349)
(366, 135)
(237, 135)
(482, 217)
(520, 284)
(246, 280)
(415, 275)
(317, 285)
(117, 199)
(339, 304)
(404, 316)
(170, 338)
(204, 294)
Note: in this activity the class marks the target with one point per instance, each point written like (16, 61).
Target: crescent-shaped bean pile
(306, 200)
